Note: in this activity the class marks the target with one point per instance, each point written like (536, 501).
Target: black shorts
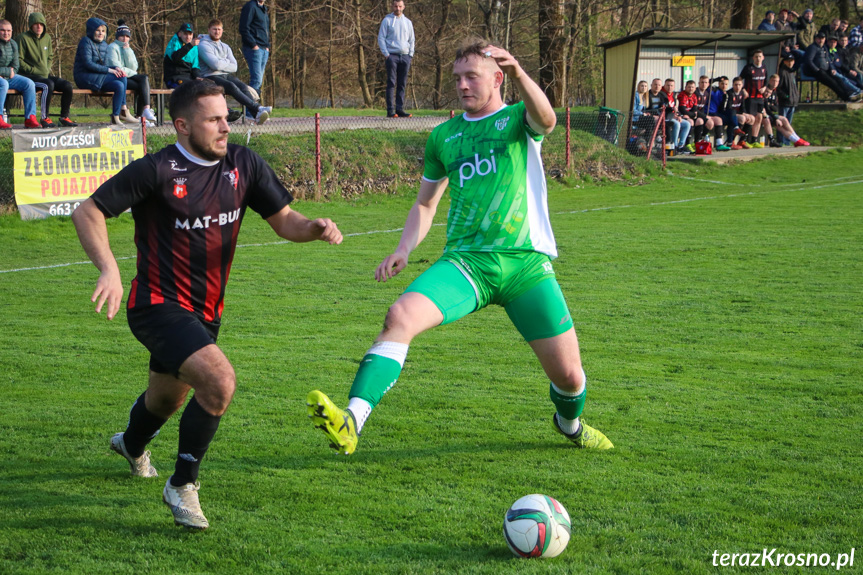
(171, 334)
(754, 106)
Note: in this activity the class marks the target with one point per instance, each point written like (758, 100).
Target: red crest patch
(180, 187)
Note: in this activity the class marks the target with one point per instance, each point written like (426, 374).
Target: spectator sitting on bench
(681, 125)
(92, 71)
(36, 57)
(218, 63)
(771, 109)
(10, 79)
(181, 58)
(121, 55)
(719, 110)
(687, 107)
(816, 63)
(738, 97)
(831, 30)
(841, 55)
(703, 93)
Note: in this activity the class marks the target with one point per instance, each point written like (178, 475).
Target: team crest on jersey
(501, 124)
(180, 187)
(233, 177)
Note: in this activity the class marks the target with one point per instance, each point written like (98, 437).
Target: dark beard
(199, 150)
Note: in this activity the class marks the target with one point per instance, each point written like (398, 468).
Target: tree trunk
(847, 11)
(741, 14)
(271, 61)
(437, 45)
(552, 50)
(18, 12)
(491, 19)
(361, 55)
(331, 90)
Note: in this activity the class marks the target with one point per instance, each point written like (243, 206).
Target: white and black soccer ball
(537, 526)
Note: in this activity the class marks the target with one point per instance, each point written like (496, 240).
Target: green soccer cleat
(587, 437)
(338, 425)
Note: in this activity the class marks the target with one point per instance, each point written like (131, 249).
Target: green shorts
(460, 283)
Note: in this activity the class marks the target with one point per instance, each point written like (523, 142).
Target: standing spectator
(767, 24)
(816, 63)
(856, 59)
(396, 41)
(255, 35)
(787, 92)
(92, 71)
(37, 54)
(831, 30)
(218, 63)
(855, 37)
(9, 78)
(120, 55)
(784, 20)
(181, 58)
(843, 28)
(806, 29)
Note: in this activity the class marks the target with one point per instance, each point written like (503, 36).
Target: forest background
(325, 54)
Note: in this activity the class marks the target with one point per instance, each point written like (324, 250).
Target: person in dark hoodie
(816, 63)
(10, 79)
(181, 58)
(255, 35)
(767, 24)
(92, 71)
(36, 56)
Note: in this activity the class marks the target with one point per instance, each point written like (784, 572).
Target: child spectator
(120, 55)
(783, 125)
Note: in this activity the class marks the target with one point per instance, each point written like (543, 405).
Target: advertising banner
(56, 170)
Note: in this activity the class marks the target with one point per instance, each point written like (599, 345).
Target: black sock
(718, 132)
(769, 137)
(748, 130)
(143, 426)
(699, 133)
(197, 428)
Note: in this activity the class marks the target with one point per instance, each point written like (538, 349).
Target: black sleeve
(132, 185)
(267, 195)
(177, 56)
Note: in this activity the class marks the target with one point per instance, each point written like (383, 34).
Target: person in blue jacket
(181, 58)
(91, 68)
(255, 34)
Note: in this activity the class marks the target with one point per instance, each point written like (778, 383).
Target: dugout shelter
(667, 53)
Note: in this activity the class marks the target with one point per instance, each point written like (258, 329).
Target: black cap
(186, 28)
(820, 35)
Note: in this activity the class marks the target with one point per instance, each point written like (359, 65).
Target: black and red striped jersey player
(188, 202)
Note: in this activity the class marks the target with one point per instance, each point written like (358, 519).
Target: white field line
(394, 230)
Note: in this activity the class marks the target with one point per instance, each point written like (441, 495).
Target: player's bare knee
(571, 379)
(398, 318)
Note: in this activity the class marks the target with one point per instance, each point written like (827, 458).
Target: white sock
(794, 138)
(361, 409)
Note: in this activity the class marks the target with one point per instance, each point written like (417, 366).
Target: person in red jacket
(688, 107)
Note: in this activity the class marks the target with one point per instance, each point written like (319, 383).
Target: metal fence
(325, 156)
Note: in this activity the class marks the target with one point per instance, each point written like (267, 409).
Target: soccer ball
(536, 526)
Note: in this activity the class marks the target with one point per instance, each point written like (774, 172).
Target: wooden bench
(160, 95)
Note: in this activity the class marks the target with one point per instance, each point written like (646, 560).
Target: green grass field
(719, 314)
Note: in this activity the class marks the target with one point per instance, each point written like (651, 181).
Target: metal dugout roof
(621, 57)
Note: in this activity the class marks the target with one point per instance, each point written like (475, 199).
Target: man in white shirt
(396, 41)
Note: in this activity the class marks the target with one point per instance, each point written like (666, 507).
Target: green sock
(379, 371)
(569, 406)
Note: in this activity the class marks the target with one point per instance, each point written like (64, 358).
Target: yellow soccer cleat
(587, 437)
(338, 425)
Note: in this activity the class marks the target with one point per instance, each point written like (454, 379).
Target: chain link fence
(328, 156)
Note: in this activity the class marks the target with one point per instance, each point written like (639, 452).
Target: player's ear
(182, 126)
(498, 78)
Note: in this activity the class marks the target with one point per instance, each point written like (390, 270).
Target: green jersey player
(498, 251)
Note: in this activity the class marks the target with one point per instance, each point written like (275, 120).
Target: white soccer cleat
(184, 504)
(140, 466)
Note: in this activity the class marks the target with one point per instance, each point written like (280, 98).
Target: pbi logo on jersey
(176, 168)
(180, 188)
(479, 166)
(501, 124)
(233, 177)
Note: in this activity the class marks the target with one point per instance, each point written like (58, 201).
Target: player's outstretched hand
(505, 61)
(391, 266)
(109, 288)
(329, 232)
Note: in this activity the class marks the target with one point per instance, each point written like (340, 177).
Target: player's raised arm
(296, 227)
(417, 225)
(540, 114)
(93, 233)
